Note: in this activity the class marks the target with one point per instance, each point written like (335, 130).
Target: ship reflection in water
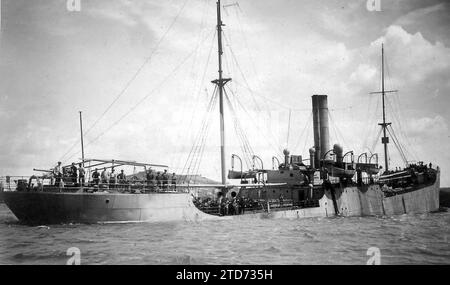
(403, 239)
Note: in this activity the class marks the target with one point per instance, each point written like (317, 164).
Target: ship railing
(10, 183)
(27, 183)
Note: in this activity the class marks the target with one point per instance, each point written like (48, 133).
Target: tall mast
(220, 85)
(82, 144)
(385, 139)
(384, 125)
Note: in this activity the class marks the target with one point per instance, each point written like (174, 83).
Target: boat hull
(56, 208)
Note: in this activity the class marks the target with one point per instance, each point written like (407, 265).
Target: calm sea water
(405, 239)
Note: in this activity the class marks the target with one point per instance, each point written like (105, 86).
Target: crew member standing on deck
(57, 172)
(112, 179)
(174, 181)
(81, 174)
(150, 177)
(73, 173)
(122, 178)
(105, 176)
(158, 180)
(165, 179)
(96, 177)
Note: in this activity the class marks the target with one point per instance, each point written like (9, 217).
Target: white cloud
(419, 14)
(411, 58)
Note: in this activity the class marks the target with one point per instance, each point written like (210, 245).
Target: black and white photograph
(249, 133)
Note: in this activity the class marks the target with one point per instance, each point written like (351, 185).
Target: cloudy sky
(140, 71)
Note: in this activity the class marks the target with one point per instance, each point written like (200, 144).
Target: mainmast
(220, 85)
(385, 139)
(384, 125)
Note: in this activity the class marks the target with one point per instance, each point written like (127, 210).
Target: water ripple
(404, 239)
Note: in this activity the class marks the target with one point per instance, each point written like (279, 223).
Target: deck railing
(33, 183)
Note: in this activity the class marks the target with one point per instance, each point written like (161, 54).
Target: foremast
(220, 82)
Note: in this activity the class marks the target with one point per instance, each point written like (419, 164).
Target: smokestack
(320, 124)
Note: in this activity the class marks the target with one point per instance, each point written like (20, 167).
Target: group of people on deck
(76, 176)
(109, 178)
(65, 175)
(160, 180)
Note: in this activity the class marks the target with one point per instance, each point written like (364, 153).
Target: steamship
(333, 183)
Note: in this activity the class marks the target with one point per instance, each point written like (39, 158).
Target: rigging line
(127, 85)
(266, 98)
(398, 122)
(199, 91)
(196, 100)
(140, 101)
(337, 129)
(396, 101)
(368, 121)
(250, 55)
(201, 134)
(289, 129)
(197, 137)
(245, 144)
(396, 143)
(400, 145)
(402, 155)
(247, 148)
(278, 150)
(303, 132)
(372, 149)
(235, 118)
(307, 136)
(203, 76)
(373, 124)
(202, 149)
(233, 56)
(195, 146)
(239, 135)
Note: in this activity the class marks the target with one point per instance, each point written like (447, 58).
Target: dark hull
(56, 208)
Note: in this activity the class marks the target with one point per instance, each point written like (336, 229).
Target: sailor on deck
(73, 173)
(158, 180)
(122, 178)
(57, 172)
(150, 179)
(96, 177)
(174, 181)
(165, 179)
(105, 176)
(112, 179)
(81, 174)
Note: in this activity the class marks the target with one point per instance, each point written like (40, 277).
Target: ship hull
(56, 208)
(37, 208)
(369, 201)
